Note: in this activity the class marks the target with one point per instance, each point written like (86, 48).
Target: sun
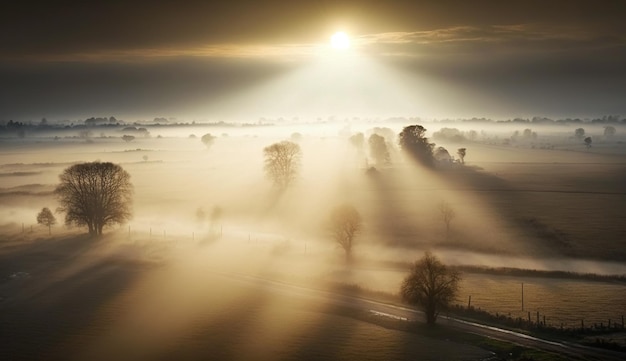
(340, 40)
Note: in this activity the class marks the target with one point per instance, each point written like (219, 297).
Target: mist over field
(326, 180)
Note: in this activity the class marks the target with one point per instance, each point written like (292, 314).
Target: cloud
(531, 38)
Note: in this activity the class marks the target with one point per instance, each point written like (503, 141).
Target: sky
(246, 60)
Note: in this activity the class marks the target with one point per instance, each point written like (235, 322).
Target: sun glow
(340, 40)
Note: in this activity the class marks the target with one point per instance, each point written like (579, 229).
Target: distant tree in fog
(344, 224)
(200, 215)
(431, 286)
(282, 163)
(588, 142)
(358, 141)
(579, 133)
(208, 140)
(609, 131)
(46, 218)
(128, 138)
(461, 152)
(413, 141)
(378, 149)
(215, 216)
(442, 155)
(447, 215)
(296, 137)
(95, 195)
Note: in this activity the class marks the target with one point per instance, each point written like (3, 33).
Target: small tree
(358, 141)
(95, 195)
(588, 142)
(345, 223)
(431, 286)
(579, 133)
(46, 218)
(461, 152)
(442, 155)
(447, 215)
(609, 131)
(128, 138)
(282, 163)
(208, 140)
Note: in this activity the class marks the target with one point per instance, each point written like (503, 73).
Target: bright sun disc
(340, 40)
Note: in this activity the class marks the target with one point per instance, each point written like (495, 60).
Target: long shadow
(508, 203)
(391, 222)
(39, 311)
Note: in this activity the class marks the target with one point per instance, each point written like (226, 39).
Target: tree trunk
(431, 314)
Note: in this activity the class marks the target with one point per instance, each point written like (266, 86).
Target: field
(546, 209)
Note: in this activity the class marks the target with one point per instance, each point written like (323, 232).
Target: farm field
(527, 208)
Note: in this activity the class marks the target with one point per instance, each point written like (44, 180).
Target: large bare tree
(344, 224)
(282, 163)
(431, 285)
(95, 195)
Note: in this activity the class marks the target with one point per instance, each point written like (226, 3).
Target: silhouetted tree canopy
(413, 141)
(282, 163)
(431, 286)
(461, 152)
(95, 195)
(378, 149)
(46, 218)
(344, 225)
(579, 133)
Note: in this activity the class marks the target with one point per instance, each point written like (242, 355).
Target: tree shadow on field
(51, 302)
(510, 205)
(393, 225)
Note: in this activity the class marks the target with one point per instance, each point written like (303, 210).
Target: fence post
(537, 318)
(469, 302)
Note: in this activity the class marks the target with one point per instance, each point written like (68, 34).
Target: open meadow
(519, 207)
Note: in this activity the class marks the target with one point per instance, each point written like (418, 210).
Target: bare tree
(461, 152)
(95, 195)
(345, 223)
(447, 215)
(282, 163)
(431, 286)
(46, 218)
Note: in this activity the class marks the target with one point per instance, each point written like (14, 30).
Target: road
(575, 351)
